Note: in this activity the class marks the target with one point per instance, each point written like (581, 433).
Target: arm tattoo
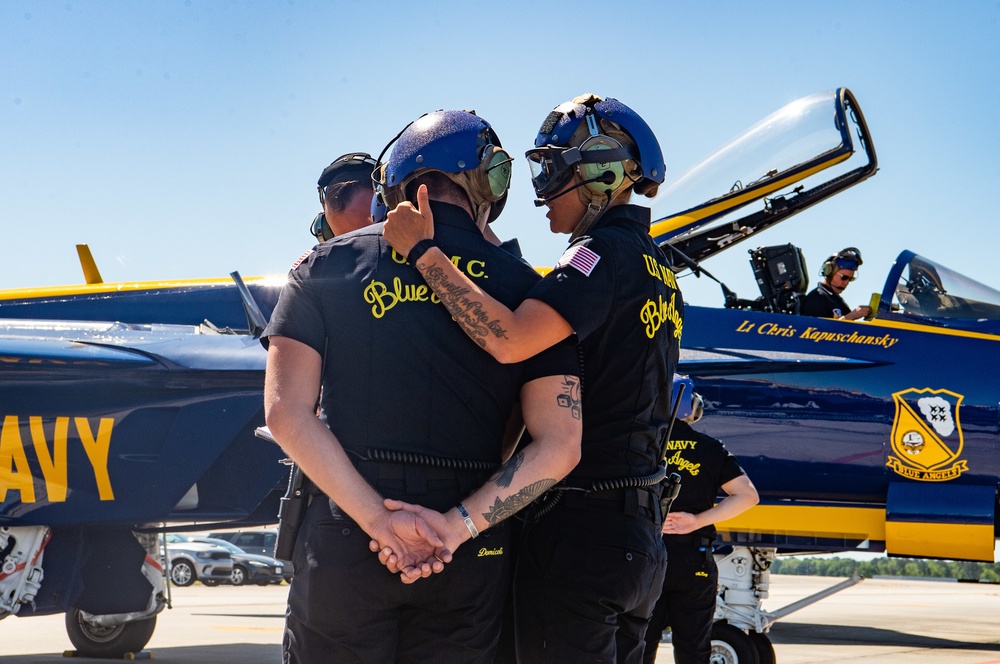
(469, 313)
(570, 397)
(503, 477)
(502, 509)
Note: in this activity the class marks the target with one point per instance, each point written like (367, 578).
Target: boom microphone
(607, 177)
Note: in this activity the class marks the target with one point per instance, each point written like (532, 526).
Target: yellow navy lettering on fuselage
(49, 440)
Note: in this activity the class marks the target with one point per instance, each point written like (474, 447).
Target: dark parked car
(248, 567)
(255, 541)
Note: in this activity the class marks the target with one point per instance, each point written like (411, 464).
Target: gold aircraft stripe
(929, 329)
(940, 540)
(961, 541)
(671, 224)
(810, 521)
(132, 286)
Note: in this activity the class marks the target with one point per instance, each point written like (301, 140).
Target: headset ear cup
(590, 171)
(492, 179)
(829, 267)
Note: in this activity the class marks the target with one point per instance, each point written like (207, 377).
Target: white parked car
(193, 561)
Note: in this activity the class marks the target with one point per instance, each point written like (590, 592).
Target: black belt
(418, 478)
(631, 501)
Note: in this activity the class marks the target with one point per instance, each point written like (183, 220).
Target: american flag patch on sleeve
(301, 258)
(580, 257)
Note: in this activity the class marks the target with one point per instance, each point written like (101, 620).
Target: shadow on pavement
(229, 653)
(837, 635)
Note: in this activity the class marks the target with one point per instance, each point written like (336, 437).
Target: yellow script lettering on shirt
(382, 298)
(682, 464)
(654, 314)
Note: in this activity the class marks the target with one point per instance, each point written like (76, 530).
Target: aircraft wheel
(731, 645)
(92, 640)
(765, 651)
(182, 573)
(240, 575)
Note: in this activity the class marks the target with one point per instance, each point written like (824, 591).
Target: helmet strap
(595, 209)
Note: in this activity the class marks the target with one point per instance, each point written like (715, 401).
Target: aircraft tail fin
(90, 272)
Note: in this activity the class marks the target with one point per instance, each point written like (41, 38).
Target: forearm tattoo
(502, 509)
(503, 477)
(468, 312)
(570, 397)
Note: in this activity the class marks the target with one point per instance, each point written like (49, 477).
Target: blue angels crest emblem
(927, 435)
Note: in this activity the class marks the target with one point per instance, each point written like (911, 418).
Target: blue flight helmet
(459, 144)
(691, 407)
(606, 143)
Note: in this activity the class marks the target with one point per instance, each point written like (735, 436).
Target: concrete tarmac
(890, 621)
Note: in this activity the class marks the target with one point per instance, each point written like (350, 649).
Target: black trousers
(686, 604)
(345, 607)
(581, 589)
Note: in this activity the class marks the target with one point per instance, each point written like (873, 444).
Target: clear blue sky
(184, 138)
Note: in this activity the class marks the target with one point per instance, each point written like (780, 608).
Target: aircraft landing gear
(115, 636)
(92, 639)
(765, 651)
(739, 634)
(21, 550)
(731, 645)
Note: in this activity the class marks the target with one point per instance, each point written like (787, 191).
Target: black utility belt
(631, 500)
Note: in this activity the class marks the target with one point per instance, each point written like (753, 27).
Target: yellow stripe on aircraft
(856, 523)
(961, 541)
(670, 224)
(134, 286)
(929, 329)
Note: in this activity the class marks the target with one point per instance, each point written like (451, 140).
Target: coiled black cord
(395, 456)
(631, 482)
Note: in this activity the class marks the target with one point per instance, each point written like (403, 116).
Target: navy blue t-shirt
(615, 288)
(704, 465)
(400, 374)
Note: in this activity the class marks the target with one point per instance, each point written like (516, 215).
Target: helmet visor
(548, 169)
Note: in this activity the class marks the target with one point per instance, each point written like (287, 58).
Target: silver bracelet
(468, 520)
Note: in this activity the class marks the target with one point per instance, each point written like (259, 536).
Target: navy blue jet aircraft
(874, 435)
(112, 433)
(868, 435)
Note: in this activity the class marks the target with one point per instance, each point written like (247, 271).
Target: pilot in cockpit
(825, 300)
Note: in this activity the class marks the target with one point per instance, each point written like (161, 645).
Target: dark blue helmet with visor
(561, 148)
(458, 143)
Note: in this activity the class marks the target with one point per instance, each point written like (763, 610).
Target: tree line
(912, 567)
